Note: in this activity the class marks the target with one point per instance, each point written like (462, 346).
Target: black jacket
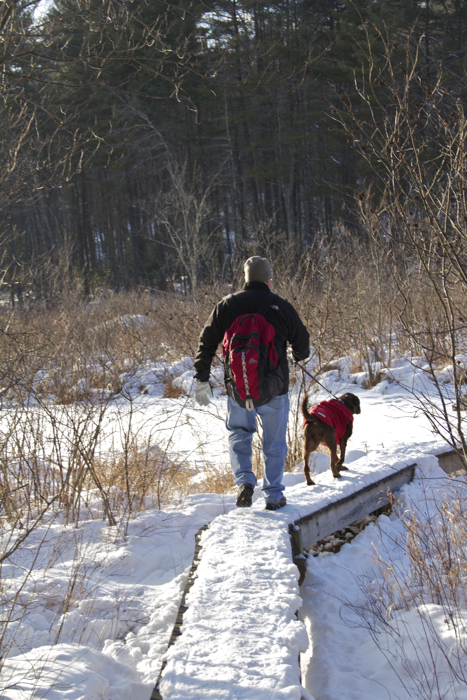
(282, 315)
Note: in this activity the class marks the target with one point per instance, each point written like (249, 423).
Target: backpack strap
(266, 303)
(233, 305)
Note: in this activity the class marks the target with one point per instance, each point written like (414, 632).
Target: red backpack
(252, 374)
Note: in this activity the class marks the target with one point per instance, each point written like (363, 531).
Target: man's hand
(203, 393)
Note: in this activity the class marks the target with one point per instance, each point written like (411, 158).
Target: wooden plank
(451, 462)
(341, 513)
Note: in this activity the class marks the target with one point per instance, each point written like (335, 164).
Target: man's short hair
(257, 269)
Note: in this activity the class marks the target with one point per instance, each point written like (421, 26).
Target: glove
(203, 393)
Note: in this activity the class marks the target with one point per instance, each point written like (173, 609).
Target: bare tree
(183, 214)
(412, 134)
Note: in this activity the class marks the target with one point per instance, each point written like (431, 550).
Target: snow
(246, 595)
(95, 609)
(123, 602)
(349, 660)
(240, 623)
(74, 672)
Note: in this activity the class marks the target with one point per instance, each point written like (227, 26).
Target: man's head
(257, 270)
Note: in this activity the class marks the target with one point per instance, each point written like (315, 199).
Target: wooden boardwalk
(247, 557)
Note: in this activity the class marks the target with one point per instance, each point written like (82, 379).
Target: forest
(154, 145)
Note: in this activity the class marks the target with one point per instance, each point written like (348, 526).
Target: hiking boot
(245, 495)
(276, 506)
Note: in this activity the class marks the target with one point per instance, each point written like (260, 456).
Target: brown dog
(329, 423)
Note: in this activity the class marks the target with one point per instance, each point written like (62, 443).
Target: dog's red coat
(333, 413)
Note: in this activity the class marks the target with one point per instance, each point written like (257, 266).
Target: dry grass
(171, 390)
(215, 479)
(436, 546)
(77, 352)
(141, 478)
(377, 378)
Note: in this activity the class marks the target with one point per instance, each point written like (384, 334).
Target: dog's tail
(306, 415)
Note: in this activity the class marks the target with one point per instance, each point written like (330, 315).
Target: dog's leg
(340, 463)
(309, 446)
(332, 444)
(343, 445)
(306, 471)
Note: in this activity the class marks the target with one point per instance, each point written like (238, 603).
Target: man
(241, 422)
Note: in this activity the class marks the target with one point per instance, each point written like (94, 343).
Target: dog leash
(317, 381)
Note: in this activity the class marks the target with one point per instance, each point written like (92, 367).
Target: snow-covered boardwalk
(240, 635)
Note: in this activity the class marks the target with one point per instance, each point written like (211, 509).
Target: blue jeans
(241, 425)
